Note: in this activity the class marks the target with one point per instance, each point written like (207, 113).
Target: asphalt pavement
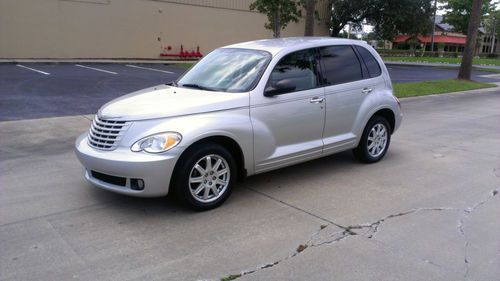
(39, 90)
(418, 73)
(33, 90)
(428, 211)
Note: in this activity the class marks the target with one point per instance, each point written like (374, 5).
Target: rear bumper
(155, 170)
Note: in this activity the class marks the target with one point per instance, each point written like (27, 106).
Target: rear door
(347, 86)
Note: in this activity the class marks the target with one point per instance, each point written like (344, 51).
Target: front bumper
(154, 169)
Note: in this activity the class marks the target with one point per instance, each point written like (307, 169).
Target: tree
(470, 45)
(390, 17)
(279, 13)
(458, 13)
(492, 26)
(410, 17)
(346, 12)
(371, 36)
(310, 6)
(492, 23)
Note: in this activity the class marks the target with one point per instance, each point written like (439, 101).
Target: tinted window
(300, 67)
(370, 62)
(341, 65)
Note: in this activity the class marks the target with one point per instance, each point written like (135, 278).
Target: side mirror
(281, 87)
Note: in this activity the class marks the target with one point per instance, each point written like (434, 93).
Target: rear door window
(340, 65)
(370, 62)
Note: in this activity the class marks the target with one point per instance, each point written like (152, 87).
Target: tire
(201, 188)
(375, 140)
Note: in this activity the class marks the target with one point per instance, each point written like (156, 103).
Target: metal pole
(433, 26)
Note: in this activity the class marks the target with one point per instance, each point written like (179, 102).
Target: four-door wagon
(243, 109)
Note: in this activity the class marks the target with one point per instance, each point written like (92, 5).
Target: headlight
(157, 143)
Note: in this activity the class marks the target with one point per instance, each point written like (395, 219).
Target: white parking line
(147, 68)
(32, 69)
(96, 69)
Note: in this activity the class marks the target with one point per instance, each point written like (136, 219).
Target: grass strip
(185, 65)
(414, 89)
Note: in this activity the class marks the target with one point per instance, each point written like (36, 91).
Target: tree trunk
(277, 24)
(309, 29)
(470, 45)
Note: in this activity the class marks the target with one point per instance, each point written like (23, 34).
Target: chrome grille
(106, 134)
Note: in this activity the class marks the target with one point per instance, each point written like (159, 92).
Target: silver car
(242, 110)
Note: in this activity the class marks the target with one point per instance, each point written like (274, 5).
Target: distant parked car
(242, 110)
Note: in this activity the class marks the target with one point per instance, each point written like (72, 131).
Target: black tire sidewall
(186, 163)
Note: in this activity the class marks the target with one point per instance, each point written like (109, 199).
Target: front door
(288, 127)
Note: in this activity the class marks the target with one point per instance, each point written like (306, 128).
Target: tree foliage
(410, 17)
(458, 13)
(390, 17)
(279, 13)
(346, 12)
(492, 23)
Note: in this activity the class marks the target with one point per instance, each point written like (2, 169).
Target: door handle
(317, 100)
(367, 90)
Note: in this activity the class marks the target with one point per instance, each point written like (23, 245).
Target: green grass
(414, 89)
(184, 64)
(443, 60)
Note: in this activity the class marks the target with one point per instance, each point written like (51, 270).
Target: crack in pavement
(357, 229)
(461, 223)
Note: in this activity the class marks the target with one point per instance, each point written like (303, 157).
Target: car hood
(167, 101)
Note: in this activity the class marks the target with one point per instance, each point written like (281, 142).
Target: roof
(448, 27)
(437, 39)
(444, 26)
(274, 46)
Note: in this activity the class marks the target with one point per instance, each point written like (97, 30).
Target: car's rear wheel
(205, 176)
(375, 141)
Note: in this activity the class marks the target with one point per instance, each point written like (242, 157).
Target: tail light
(397, 100)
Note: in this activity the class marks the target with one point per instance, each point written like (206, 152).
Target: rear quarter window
(371, 63)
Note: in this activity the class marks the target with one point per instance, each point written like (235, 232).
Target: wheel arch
(228, 143)
(388, 114)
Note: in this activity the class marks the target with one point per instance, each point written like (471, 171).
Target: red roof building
(445, 40)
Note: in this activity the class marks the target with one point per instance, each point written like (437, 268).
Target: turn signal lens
(157, 143)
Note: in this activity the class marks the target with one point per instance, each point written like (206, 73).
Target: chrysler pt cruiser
(242, 110)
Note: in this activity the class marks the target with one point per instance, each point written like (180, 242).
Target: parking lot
(38, 90)
(428, 211)
(33, 90)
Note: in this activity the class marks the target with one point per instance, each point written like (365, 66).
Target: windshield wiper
(197, 87)
(173, 83)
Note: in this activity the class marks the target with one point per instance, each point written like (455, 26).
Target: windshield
(227, 70)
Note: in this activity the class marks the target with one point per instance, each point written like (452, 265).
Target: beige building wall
(130, 28)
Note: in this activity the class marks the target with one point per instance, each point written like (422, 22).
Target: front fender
(234, 124)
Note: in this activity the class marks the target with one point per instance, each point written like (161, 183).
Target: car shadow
(262, 183)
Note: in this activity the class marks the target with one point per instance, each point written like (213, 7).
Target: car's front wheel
(374, 141)
(205, 176)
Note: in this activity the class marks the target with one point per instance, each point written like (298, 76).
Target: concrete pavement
(428, 211)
